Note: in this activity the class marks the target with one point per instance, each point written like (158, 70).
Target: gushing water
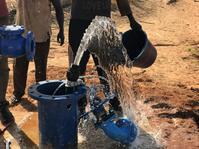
(103, 40)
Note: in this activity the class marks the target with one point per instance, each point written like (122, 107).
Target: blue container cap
(12, 30)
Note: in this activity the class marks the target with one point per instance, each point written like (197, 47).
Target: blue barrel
(58, 114)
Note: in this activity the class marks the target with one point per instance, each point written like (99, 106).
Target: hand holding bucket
(131, 48)
(139, 49)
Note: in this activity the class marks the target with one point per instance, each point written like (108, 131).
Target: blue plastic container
(120, 129)
(58, 114)
(13, 44)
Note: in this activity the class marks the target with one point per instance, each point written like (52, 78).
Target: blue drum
(57, 113)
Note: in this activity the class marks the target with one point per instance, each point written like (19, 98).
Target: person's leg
(103, 74)
(4, 70)
(20, 69)
(41, 58)
(115, 103)
(5, 115)
(76, 31)
(4, 74)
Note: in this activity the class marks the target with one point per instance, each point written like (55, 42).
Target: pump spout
(73, 73)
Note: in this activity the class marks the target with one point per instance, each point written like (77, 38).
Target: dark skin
(135, 26)
(60, 20)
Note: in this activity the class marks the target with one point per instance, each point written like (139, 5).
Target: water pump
(117, 127)
(13, 44)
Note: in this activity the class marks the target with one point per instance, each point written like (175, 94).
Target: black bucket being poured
(131, 48)
(139, 48)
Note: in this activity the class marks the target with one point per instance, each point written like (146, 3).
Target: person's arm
(125, 10)
(60, 20)
(124, 7)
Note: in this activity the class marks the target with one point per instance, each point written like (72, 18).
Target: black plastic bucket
(139, 48)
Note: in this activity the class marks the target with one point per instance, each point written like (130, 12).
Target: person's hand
(135, 26)
(60, 37)
(73, 73)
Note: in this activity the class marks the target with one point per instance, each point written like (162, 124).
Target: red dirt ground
(170, 88)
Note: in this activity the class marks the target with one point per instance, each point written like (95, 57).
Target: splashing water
(129, 94)
(103, 40)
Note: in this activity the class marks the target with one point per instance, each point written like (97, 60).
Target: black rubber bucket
(139, 48)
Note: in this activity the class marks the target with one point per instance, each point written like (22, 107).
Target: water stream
(102, 39)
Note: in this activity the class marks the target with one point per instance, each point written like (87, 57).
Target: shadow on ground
(183, 114)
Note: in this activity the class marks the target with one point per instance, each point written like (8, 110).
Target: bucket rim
(143, 49)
